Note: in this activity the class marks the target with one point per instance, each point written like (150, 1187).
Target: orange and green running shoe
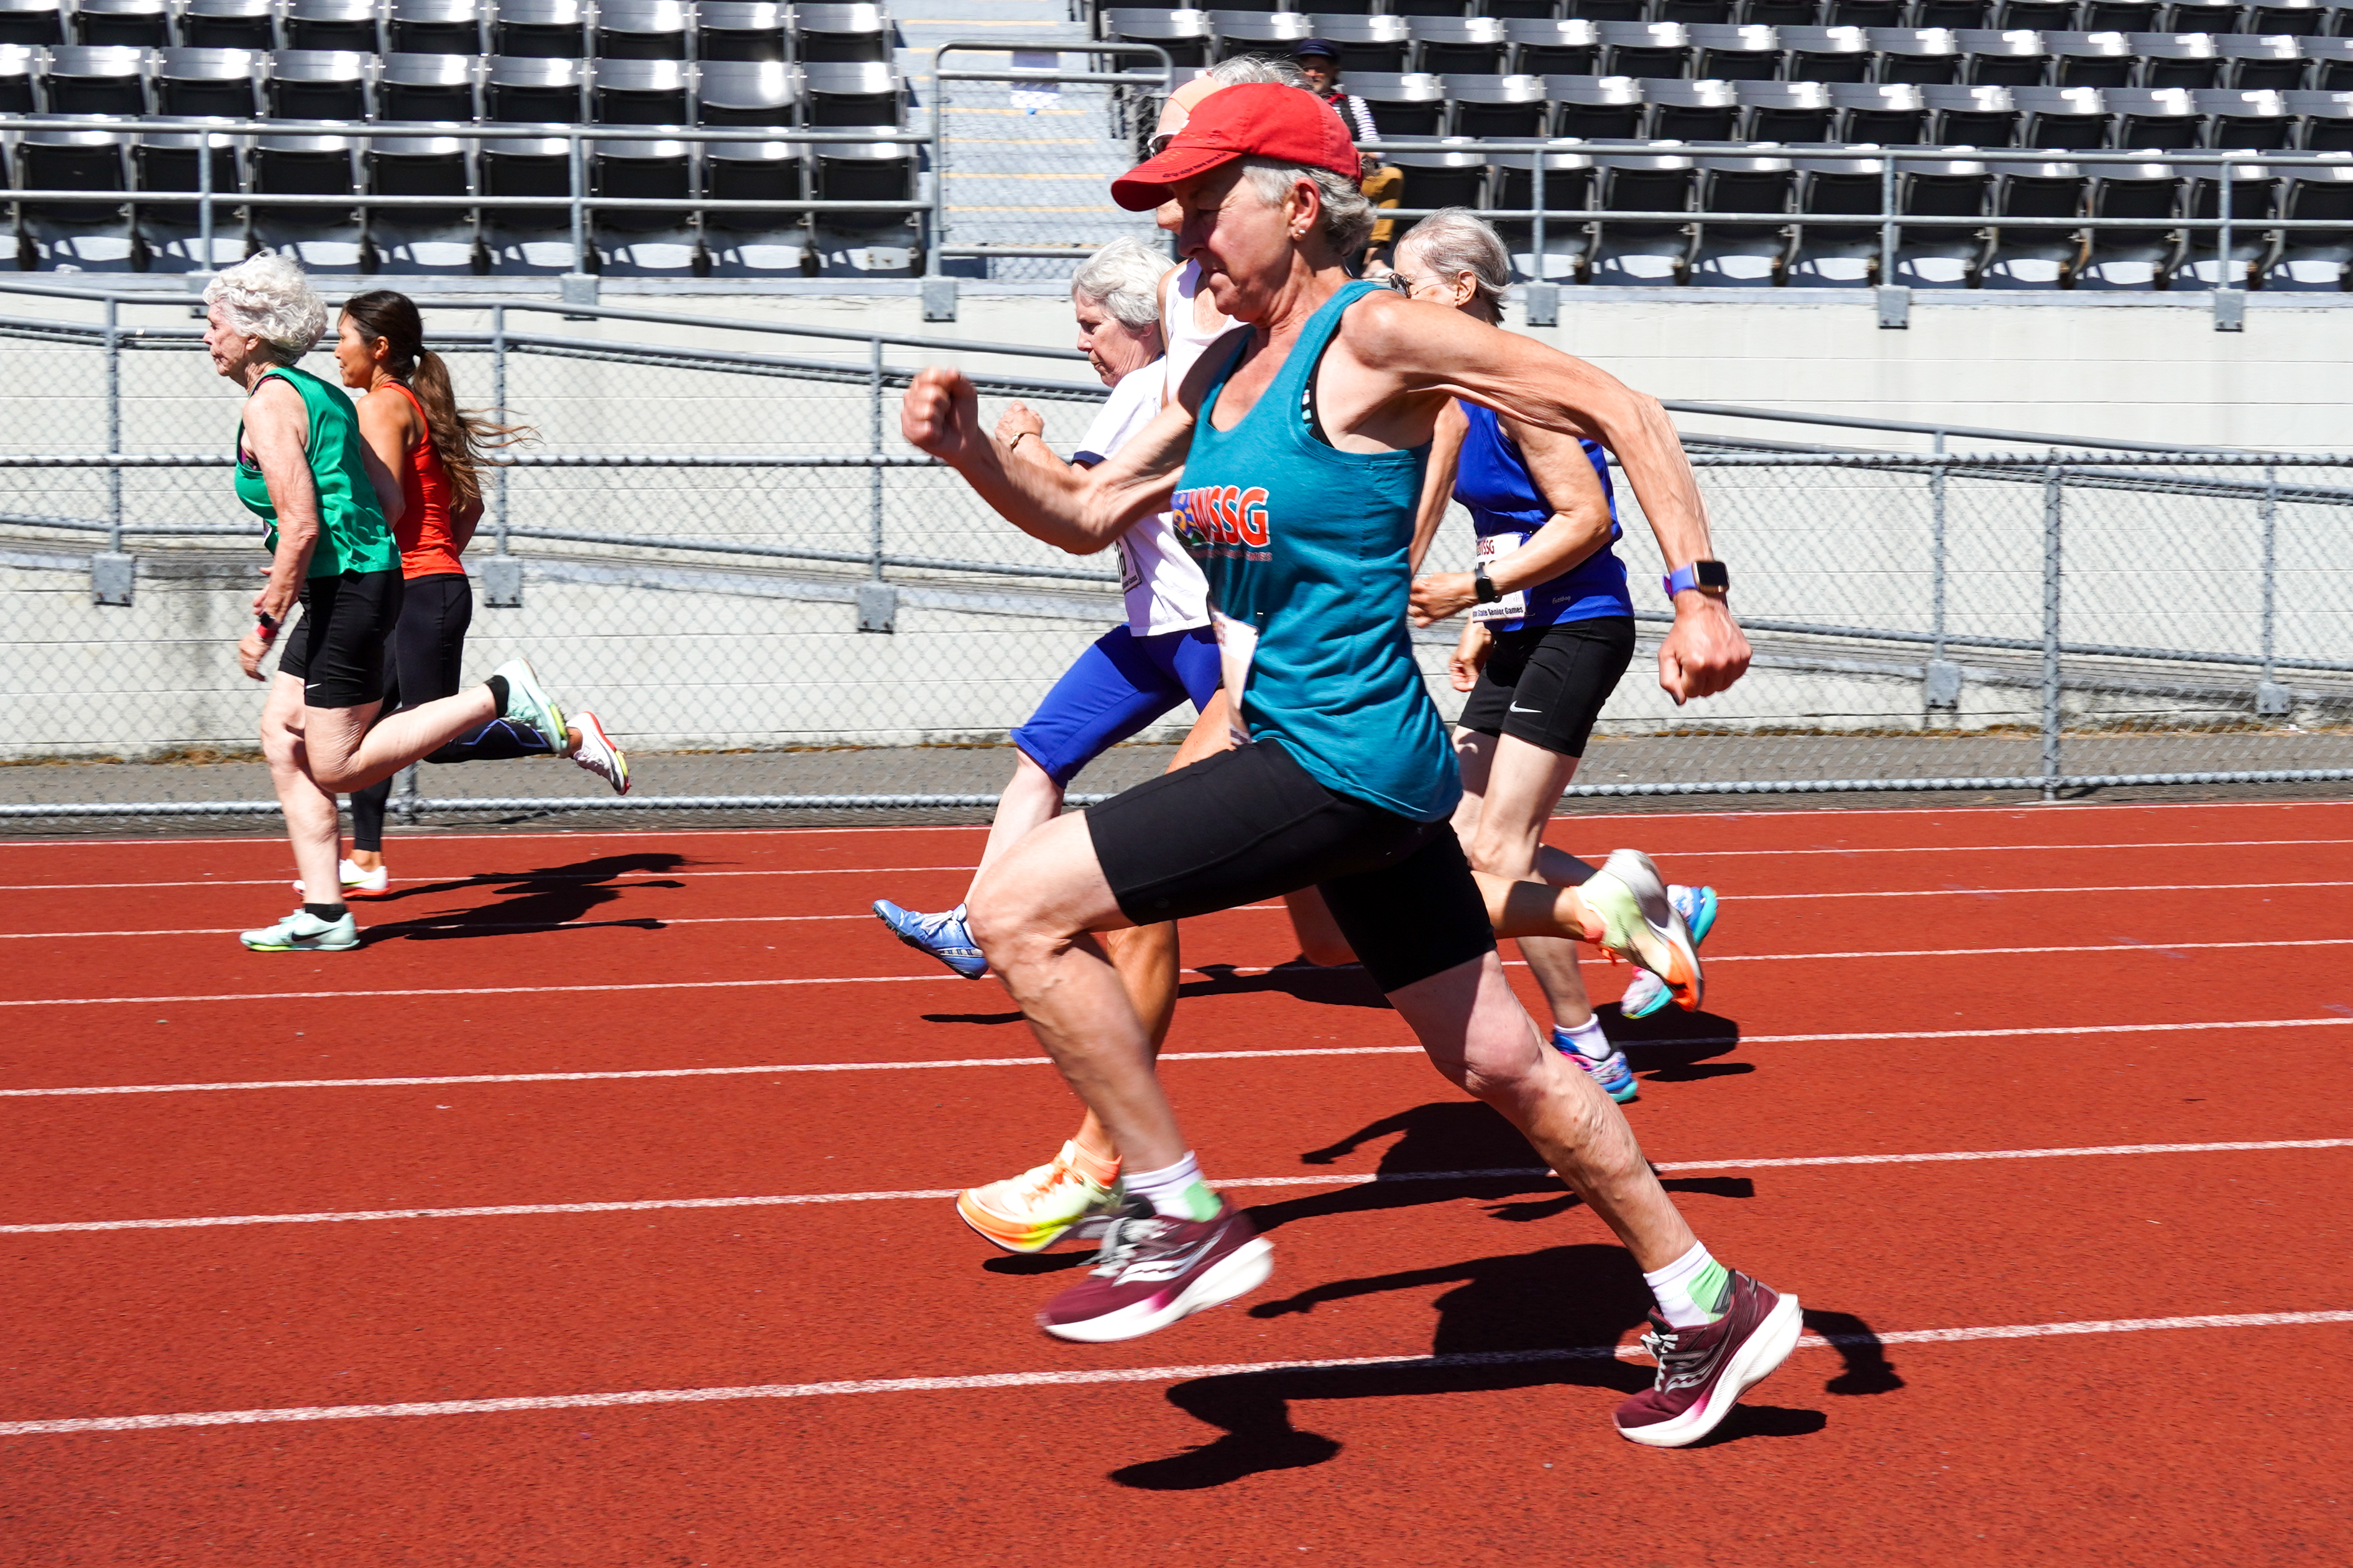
(1033, 1210)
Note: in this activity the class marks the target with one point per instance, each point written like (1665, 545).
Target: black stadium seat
(1919, 56)
(1943, 255)
(2015, 57)
(1546, 47)
(87, 235)
(1446, 171)
(171, 232)
(2017, 257)
(2254, 201)
(197, 82)
(753, 242)
(1643, 251)
(2314, 258)
(323, 238)
(2134, 244)
(2203, 16)
(2327, 119)
(317, 84)
(1794, 111)
(436, 27)
(2091, 60)
(1972, 116)
(1828, 54)
(1257, 32)
(2176, 59)
(753, 30)
(2064, 118)
(1568, 187)
(1885, 114)
(840, 32)
(32, 22)
(1596, 108)
(16, 95)
(845, 93)
(423, 240)
(1691, 111)
(2332, 62)
(2243, 119)
(83, 80)
(1185, 35)
(1645, 49)
(1404, 103)
(133, 23)
(526, 89)
(1505, 107)
(2251, 60)
(1369, 43)
(642, 29)
(1457, 45)
(1735, 53)
(428, 86)
(2154, 119)
(529, 239)
(540, 29)
(228, 24)
(637, 92)
(645, 241)
(746, 92)
(1737, 254)
(346, 25)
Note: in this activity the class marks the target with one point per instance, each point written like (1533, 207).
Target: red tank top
(428, 549)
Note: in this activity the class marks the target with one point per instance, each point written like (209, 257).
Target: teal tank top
(353, 536)
(1306, 549)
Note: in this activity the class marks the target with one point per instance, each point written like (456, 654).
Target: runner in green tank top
(327, 507)
(1285, 454)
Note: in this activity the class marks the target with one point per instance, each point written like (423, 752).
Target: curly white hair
(1123, 278)
(269, 296)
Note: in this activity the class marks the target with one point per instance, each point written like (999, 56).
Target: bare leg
(348, 749)
(1522, 785)
(1479, 1038)
(1320, 941)
(1147, 956)
(1030, 801)
(311, 822)
(1031, 915)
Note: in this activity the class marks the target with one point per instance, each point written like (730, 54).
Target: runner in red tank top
(410, 418)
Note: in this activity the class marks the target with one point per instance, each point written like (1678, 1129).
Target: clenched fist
(941, 413)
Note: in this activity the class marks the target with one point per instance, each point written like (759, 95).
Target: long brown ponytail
(463, 439)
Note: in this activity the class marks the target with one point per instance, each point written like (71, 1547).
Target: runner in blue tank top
(1294, 461)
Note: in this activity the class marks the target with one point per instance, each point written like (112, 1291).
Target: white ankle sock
(1170, 1190)
(1586, 1038)
(1690, 1290)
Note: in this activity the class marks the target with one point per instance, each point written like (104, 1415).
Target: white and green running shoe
(303, 931)
(1646, 994)
(1639, 924)
(528, 701)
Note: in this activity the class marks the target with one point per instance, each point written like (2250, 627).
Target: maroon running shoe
(1703, 1372)
(1153, 1270)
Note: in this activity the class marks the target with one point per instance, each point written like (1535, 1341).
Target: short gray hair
(1347, 215)
(1123, 278)
(1455, 240)
(1257, 68)
(269, 296)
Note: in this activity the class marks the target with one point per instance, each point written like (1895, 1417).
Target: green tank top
(353, 534)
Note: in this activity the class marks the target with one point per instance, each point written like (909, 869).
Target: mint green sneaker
(1640, 925)
(528, 700)
(303, 931)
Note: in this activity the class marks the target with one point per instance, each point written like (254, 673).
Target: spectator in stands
(1383, 183)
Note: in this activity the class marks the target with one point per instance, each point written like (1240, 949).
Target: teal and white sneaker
(944, 936)
(1641, 926)
(303, 931)
(1616, 1079)
(1644, 993)
(528, 701)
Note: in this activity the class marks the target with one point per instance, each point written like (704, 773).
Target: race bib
(1130, 571)
(1236, 645)
(1493, 547)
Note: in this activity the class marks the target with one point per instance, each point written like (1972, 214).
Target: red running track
(655, 1267)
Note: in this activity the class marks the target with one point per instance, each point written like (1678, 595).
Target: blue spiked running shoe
(1646, 993)
(1616, 1079)
(943, 936)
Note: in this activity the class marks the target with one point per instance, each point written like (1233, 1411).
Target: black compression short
(1546, 685)
(336, 650)
(1252, 824)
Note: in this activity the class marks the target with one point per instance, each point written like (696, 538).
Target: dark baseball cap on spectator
(1324, 46)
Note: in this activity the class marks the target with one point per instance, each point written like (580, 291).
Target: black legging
(421, 660)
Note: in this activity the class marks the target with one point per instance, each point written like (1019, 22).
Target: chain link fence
(729, 555)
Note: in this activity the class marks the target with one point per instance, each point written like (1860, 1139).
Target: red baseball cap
(1253, 118)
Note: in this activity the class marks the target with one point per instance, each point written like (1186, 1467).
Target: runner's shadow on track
(1529, 1321)
(553, 898)
(1339, 986)
(1676, 1047)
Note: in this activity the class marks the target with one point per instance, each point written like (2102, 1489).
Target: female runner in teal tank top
(1294, 459)
(327, 508)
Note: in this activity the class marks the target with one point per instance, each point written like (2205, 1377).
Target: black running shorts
(336, 649)
(1251, 824)
(1546, 685)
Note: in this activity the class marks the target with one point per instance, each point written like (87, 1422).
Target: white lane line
(1680, 855)
(1328, 1179)
(480, 990)
(1997, 892)
(451, 920)
(481, 878)
(1119, 1375)
(1033, 1061)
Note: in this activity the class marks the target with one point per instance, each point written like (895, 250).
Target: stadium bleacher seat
(1546, 47)
(91, 236)
(1826, 54)
(1365, 43)
(845, 94)
(1642, 252)
(2330, 62)
(230, 25)
(317, 84)
(1404, 103)
(2119, 16)
(1456, 46)
(854, 243)
(1189, 35)
(2254, 199)
(198, 82)
(170, 232)
(2151, 118)
(1642, 49)
(2011, 58)
(637, 92)
(133, 23)
(31, 22)
(1690, 111)
(1702, 13)
(644, 242)
(1498, 106)
(1594, 108)
(2015, 256)
(2133, 243)
(1960, 116)
(753, 30)
(1829, 254)
(1568, 187)
(540, 29)
(1731, 52)
(2327, 119)
(436, 27)
(2062, 119)
(754, 243)
(1943, 256)
(2322, 257)
(1449, 172)
(642, 29)
(442, 239)
(1791, 110)
(746, 92)
(16, 95)
(2176, 59)
(1918, 56)
(78, 79)
(332, 25)
(527, 88)
(1257, 32)
(2238, 118)
(2035, 15)
(1885, 114)
(428, 87)
(324, 238)
(854, 33)
(2275, 60)
(1744, 254)
(528, 239)
(2090, 60)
